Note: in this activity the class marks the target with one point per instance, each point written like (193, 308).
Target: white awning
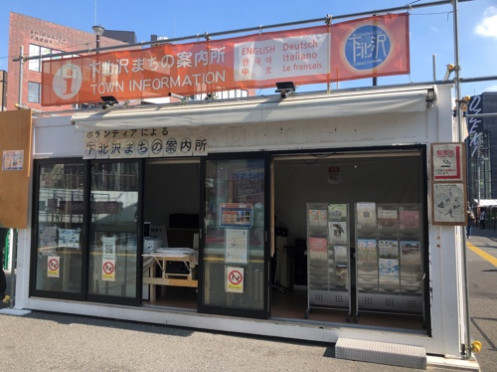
(483, 203)
(259, 110)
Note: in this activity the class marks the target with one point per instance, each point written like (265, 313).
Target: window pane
(33, 92)
(34, 64)
(60, 222)
(114, 228)
(234, 245)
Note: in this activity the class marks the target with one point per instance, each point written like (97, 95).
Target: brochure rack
(389, 258)
(328, 257)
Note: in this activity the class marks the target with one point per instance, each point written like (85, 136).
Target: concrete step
(381, 352)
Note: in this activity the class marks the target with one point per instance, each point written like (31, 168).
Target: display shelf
(389, 260)
(328, 258)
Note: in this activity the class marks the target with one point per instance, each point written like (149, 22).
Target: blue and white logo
(367, 47)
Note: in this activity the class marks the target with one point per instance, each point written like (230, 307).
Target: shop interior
(348, 178)
(171, 205)
(171, 215)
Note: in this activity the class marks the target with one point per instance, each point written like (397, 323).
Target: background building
(38, 37)
(482, 160)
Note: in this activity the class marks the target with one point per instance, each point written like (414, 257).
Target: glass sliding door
(58, 225)
(234, 253)
(114, 231)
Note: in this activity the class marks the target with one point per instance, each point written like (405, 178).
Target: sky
(431, 28)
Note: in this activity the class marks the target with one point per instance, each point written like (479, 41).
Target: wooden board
(15, 138)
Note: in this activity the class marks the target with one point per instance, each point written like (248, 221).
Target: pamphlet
(366, 251)
(387, 218)
(366, 215)
(408, 218)
(388, 274)
(337, 232)
(318, 248)
(337, 212)
(388, 249)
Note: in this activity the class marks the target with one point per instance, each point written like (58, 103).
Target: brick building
(39, 37)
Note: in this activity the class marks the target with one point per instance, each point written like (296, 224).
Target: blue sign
(367, 47)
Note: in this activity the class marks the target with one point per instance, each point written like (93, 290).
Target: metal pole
(434, 62)
(21, 66)
(483, 115)
(4, 81)
(250, 29)
(13, 269)
(466, 352)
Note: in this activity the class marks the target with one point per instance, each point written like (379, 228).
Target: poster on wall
(236, 246)
(447, 162)
(12, 160)
(69, 238)
(47, 239)
(109, 246)
(236, 215)
(449, 204)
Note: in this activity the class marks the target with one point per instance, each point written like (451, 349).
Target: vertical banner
(475, 125)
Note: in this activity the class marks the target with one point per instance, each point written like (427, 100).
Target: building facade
(189, 238)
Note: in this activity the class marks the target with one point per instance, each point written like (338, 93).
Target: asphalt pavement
(40, 341)
(482, 283)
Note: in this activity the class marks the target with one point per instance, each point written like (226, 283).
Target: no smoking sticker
(109, 270)
(53, 266)
(234, 279)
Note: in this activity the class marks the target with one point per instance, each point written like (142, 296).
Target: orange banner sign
(374, 46)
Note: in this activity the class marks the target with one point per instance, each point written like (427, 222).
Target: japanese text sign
(373, 46)
(447, 160)
(145, 143)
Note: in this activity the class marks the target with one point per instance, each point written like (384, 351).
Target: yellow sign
(53, 266)
(109, 270)
(234, 279)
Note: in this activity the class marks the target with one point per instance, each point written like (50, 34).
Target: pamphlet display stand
(328, 257)
(389, 258)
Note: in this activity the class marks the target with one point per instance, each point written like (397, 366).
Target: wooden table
(159, 258)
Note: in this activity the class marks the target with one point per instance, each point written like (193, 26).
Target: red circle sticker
(108, 267)
(235, 277)
(53, 264)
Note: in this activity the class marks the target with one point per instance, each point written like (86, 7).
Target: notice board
(16, 154)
